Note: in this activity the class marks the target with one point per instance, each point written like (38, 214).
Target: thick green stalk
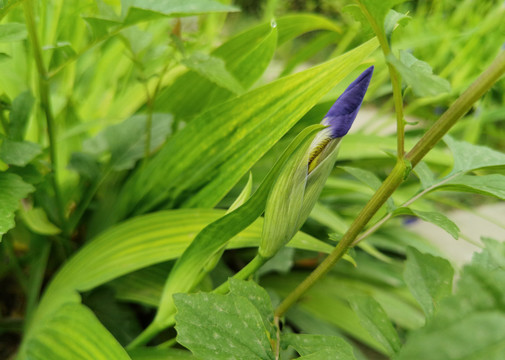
(396, 177)
(45, 103)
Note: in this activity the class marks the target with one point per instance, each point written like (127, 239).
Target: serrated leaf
(12, 32)
(217, 327)
(419, 75)
(19, 115)
(320, 347)
(213, 68)
(74, 333)
(429, 279)
(374, 319)
(471, 323)
(468, 157)
(13, 190)
(19, 153)
(433, 217)
(258, 297)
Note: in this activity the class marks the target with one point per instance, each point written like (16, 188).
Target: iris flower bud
(304, 174)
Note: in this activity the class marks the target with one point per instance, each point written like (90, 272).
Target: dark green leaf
(419, 75)
(374, 319)
(217, 327)
(318, 347)
(13, 190)
(18, 153)
(12, 32)
(429, 279)
(19, 115)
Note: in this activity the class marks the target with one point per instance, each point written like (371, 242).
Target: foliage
(156, 198)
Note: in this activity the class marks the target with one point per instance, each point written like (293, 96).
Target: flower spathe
(304, 173)
(341, 116)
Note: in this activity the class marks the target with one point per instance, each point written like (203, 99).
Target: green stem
(37, 271)
(396, 177)
(45, 102)
(395, 82)
(244, 273)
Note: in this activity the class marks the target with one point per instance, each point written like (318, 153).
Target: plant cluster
(177, 180)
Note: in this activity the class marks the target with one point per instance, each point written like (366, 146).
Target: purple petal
(343, 112)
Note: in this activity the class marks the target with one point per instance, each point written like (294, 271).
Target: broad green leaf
(217, 327)
(429, 279)
(433, 217)
(12, 32)
(13, 190)
(236, 134)
(374, 319)
(468, 157)
(143, 10)
(19, 115)
(471, 323)
(19, 153)
(126, 141)
(419, 75)
(73, 333)
(320, 347)
(37, 221)
(490, 185)
(213, 68)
